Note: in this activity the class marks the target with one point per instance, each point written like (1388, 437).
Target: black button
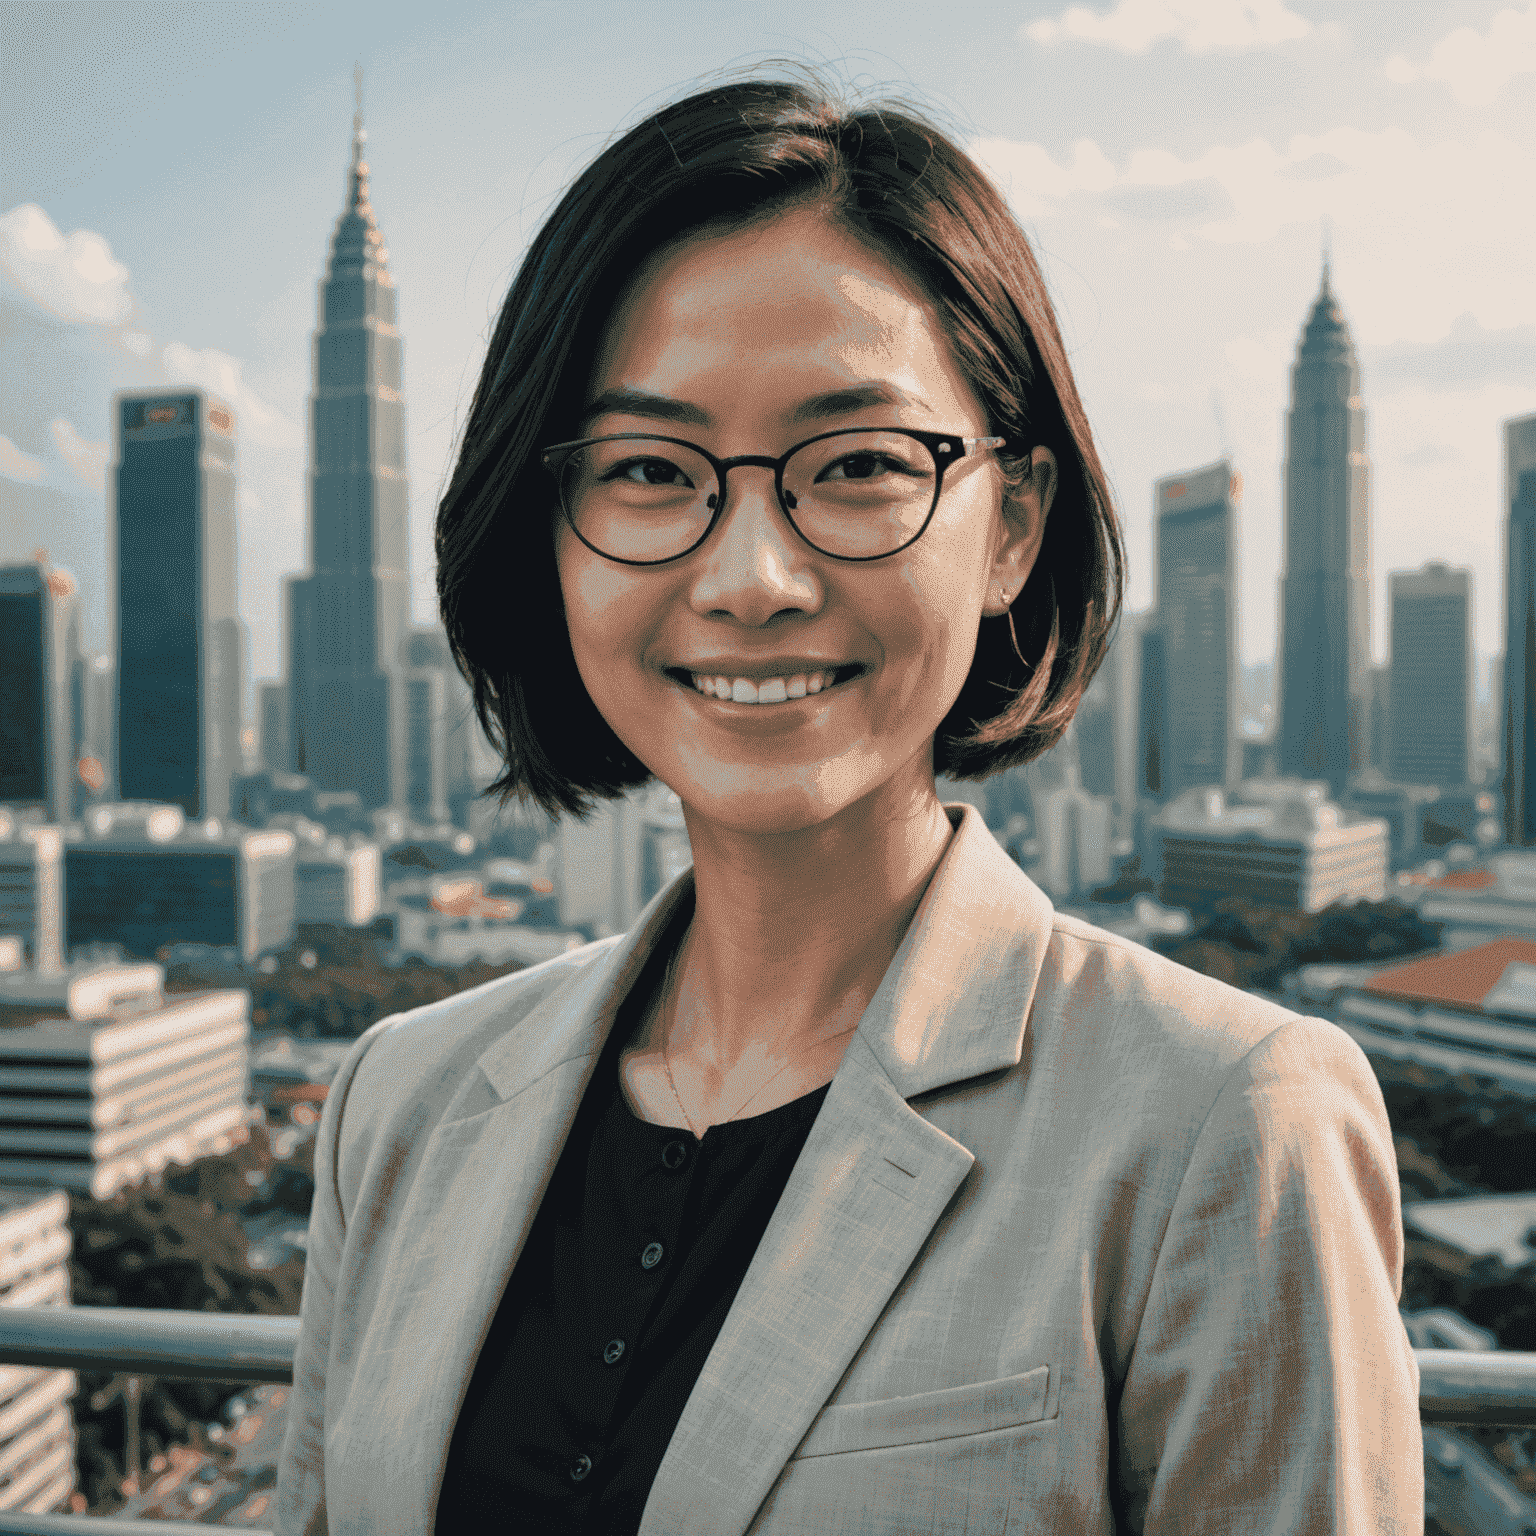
(613, 1352)
(580, 1467)
(674, 1154)
(652, 1256)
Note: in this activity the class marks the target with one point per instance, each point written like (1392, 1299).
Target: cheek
(601, 612)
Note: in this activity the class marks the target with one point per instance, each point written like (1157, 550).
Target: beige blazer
(1080, 1241)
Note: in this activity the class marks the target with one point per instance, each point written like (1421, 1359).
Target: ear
(1021, 534)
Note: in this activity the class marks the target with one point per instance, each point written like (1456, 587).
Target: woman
(853, 1190)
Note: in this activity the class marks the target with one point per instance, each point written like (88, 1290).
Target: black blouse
(634, 1258)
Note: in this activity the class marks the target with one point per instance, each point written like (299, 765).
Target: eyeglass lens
(860, 495)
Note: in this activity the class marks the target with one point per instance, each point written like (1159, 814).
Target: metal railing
(1456, 1386)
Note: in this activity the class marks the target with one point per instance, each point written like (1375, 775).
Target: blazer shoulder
(435, 1044)
(1139, 991)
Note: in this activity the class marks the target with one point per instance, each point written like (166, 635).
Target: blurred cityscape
(198, 913)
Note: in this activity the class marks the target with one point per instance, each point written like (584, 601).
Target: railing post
(128, 1388)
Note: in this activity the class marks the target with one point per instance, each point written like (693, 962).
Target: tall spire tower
(1325, 595)
(348, 618)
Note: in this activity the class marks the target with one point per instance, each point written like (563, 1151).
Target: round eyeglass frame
(938, 444)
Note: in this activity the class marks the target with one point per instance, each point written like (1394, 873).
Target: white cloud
(1201, 26)
(1424, 232)
(1034, 182)
(76, 278)
(1476, 66)
(223, 375)
(16, 465)
(88, 460)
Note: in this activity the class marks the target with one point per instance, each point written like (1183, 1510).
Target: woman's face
(749, 343)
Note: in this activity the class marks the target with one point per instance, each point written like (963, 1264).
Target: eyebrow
(835, 402)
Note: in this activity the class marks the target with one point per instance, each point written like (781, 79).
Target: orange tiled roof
(1465, 880)
(1459, 980)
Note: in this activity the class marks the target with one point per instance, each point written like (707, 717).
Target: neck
(792, 932)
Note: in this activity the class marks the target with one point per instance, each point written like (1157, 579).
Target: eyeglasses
(860, 493)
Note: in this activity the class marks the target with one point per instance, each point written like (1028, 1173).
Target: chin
(781, 801)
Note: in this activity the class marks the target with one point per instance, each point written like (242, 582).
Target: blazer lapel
(482, 1175)
(869, 1186)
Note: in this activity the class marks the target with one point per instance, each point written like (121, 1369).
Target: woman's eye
(649, 472)
(860, 466)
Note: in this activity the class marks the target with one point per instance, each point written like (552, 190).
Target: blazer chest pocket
(942, 1463)
(946, 1414)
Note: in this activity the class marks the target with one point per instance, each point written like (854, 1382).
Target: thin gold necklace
(666, 985)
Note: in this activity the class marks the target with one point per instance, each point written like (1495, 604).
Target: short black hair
(723, 157)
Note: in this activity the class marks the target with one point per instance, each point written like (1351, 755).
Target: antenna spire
(1327, 248)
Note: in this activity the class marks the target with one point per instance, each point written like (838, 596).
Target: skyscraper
(1430, 713)
(1195, 574)
(180, 642)
(1520, 632)
(41, 686)
(1325, 611)
(346, 620)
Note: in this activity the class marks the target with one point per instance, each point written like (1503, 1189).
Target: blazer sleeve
(1272, 1387)
(299, 1503)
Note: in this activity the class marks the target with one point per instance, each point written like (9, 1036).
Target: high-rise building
(180, 642)
(1519, 672)
(41, 687)
(98, 764)
(1195, 576)
(272, 708)
(440, 716)
(1325, 609)
(1152, 715)
(347, 618)
(1430, 712)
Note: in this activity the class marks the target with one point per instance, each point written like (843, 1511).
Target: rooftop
(1496, 977)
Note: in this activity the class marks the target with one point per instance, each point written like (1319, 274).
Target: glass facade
(180, 642)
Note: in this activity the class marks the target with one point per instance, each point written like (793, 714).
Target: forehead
(795, 303)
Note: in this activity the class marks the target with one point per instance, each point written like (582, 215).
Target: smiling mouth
(768, 690)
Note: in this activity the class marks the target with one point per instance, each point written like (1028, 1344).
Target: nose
(754, 565)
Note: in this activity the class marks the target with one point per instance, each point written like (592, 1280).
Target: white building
(1074, 830)
(337, 883)
(32, 890)
(1284, 847)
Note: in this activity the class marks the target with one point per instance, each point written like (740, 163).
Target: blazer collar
(954, 1002)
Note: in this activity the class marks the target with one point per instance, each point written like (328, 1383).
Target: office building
(37, 1432)
(105, 1080)
(1195, 608)
(1431, 676)
(272, 714)
(346, 620)
(439, 782)
(1294, 852)
(32, 890)
(180, 642)
(1152, 746)
(1073, 829)
(336, 883)
(1107, 722)
(1325, 613)
(1378, 707)
(1519, 671)
(41, 683)
(97, 769)
(139, 877)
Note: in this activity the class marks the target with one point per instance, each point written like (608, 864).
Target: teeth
(772, 690)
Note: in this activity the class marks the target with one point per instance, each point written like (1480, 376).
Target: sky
(172, 174)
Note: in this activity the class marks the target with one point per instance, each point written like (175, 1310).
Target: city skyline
(1182, 250)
